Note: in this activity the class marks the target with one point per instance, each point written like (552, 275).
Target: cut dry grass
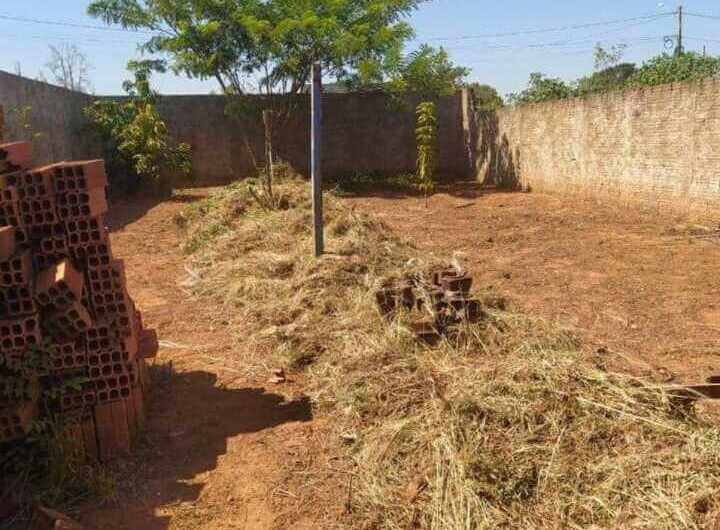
(512, 424)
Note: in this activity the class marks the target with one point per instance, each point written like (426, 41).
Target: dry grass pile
(511, 424)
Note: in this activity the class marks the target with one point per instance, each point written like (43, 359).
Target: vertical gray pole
(680, 30)
(316, 160)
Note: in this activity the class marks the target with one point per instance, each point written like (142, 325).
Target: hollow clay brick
(7, 242)
(59, 286)
(15, 156)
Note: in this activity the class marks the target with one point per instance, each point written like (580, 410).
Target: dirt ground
(221, 450)
(224, 450)
(636, 283)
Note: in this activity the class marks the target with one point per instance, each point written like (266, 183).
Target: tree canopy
(485, 97)
(611, 74)
(427, 72)
(542, 88)
(684, 66)
(265, 44)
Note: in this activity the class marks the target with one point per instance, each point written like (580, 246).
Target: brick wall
(55, 114)
(364, 133)
(658, 146)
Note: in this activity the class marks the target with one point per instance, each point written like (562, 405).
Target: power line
(554, 44)
(704, 39)
(555, 29)
(703, 15)
(74, 25)
(526, 59)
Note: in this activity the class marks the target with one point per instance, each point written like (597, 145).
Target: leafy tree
(611, 78)
(610, 72)
(684, 66)
(141, 146)
(542, 88)
(69, 68)
(427, 72)
(485, 97)
(238, 41)
(608, 57)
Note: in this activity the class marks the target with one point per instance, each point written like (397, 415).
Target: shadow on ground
(464, 190)
(125, 210)
(192, 419)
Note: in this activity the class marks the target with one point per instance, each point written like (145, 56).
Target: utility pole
(316, 159)
(679, 48)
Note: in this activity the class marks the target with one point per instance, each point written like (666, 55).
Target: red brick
(112, 430)
(15, 422)
(82, 204)
(68, 356)
(15, 156)
(59, 286)
(39, 211)
(10, 214)
(90, 439)
(68, 323)
(138, 405)
(36, 183)
(10, 179)
(17, 270)
(457, 284)
(7, 242)
(20, 333)
(81, 176)
(148, 346)
(17, 301)
(94, 256)
(86, 232)
(9, 194)
(78, 400)
(46, 519)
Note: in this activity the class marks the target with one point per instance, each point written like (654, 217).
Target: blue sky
(470, 29)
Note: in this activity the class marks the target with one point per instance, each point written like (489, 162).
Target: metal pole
(316, 160)
(680, 30)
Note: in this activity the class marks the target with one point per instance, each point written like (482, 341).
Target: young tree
(69, 68)
(140, 145)
(426, 135)
(430, 74)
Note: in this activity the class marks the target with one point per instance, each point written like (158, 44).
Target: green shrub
(140, 147)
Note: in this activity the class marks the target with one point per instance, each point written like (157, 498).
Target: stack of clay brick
(72, 344)
(436, 308)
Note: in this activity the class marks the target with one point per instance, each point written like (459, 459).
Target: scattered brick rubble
(436, 309)
(45, 519)
(72, 344)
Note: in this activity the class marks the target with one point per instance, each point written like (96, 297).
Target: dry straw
(512, 424)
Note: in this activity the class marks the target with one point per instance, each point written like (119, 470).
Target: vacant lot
(638, 283)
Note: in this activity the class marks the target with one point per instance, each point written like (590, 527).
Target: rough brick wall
(56, 114)
(364, 133)
(658, 146)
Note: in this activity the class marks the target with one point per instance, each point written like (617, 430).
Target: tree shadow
(497, 163)
(190, 422)
(126, 209)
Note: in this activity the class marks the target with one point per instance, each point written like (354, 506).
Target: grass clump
(510, 424)
(50, 468)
